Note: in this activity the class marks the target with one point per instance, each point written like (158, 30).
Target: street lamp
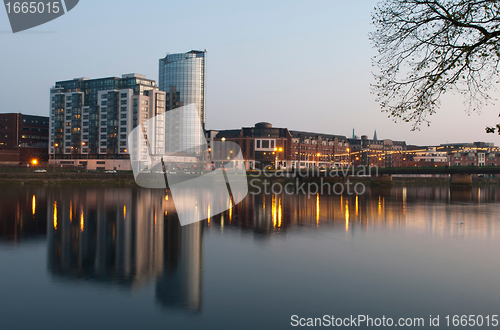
(87, 164)
(276, 150)
(55, 153)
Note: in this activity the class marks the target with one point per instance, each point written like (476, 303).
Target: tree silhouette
(428, 48)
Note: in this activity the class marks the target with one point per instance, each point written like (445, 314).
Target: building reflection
(180, 284)
(437, 210)
(127, 237)
(131, 237)
(23, 214)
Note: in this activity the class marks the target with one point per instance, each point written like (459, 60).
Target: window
(123, 94)
(123, 122)
(104, 96)
(103, 137)
(265, 144)
(123, 136)
(123, 115)
(123, 109)
(103, 149)
(272, 144)
(123, 102)
(123, 129)
(258, 143)
(104, 102)
(123, 143)
(145, 102)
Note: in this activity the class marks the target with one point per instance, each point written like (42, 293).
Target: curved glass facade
(182, 77)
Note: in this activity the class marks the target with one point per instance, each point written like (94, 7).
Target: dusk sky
(304, 65)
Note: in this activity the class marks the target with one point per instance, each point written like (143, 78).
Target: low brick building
(23, 138)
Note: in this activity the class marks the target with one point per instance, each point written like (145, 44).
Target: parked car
(110, 171)
(40, 171)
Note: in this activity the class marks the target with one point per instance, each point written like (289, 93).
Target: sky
(303, 65)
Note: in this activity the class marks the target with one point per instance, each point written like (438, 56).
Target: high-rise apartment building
(90, 119)
(182, 78)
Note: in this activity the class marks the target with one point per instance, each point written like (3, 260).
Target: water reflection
(23, 214)
(431, 210)
(126, 237)
(130, 238)
(127, 217)
(180, 284)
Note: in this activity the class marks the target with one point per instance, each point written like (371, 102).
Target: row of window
(264, 144)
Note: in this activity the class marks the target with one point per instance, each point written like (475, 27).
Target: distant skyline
(300, 65)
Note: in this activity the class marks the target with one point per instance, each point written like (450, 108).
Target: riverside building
(90, 119)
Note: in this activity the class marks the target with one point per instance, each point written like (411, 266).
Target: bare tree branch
(429, 47)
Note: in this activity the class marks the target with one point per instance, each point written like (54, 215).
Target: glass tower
(182, 78)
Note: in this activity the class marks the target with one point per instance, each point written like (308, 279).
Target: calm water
(116, 258)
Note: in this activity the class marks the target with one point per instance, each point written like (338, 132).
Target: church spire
(375, 136)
